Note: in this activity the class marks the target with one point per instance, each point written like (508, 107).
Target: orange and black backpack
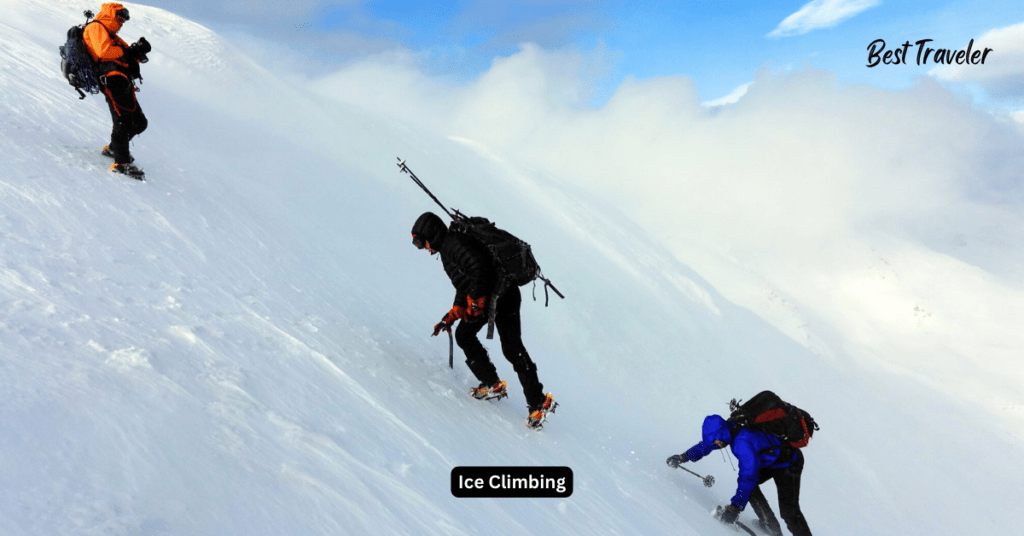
(769, 413)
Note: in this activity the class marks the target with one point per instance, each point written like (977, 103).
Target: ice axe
(708, 480)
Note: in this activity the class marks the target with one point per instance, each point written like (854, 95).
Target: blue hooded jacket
(753, 448)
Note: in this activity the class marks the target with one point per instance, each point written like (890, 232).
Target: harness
(113, 71)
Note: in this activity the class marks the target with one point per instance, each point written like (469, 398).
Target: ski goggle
(122, 14)
(418, 242)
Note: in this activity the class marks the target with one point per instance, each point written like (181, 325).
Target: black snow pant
(787, 481)
(509, 327)
(129, 121)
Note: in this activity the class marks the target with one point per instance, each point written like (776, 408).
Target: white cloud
(820, 14)
(1002, 74)
(516, 94)
(731, 98)
(797, 158)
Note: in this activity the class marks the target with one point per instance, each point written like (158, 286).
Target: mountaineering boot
(540, 414)
(499, 391)
(128, 169)
(107, 152)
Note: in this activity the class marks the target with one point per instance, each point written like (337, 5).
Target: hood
(430, 227)
(108, 17)
(716, 428)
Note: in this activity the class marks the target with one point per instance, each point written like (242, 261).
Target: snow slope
(241, 345)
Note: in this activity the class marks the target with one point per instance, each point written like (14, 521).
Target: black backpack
(512, 258)
(769, 413)
(76, 63)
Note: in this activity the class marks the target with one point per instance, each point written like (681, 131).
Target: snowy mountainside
(241, 345)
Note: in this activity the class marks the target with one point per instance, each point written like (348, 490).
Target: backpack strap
(492, 312)
(492, 308)
(547, 283)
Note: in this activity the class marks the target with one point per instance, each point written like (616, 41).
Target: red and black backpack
(769, 413)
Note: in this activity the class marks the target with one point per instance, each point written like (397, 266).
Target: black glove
(729, 514)
(139, 49)
(674, 460)
(133, 70)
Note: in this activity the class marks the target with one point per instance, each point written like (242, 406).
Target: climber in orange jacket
(117, 66)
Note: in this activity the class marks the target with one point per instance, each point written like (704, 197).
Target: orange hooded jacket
(102, 41)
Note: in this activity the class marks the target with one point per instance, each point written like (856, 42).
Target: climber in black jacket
(471, 270)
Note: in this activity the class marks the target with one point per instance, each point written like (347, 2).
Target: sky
(718, 44)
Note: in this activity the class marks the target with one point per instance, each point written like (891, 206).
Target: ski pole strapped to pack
(76, 63)
(769, 413)
(513, 259)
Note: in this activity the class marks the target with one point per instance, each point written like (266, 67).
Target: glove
(729, 514)
(133, 69)
(457, 312)
(674, 460)
(139, 49)
(476, 307)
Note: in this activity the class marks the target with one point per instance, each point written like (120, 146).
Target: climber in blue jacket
(762, 457)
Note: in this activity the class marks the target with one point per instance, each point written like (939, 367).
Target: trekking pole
(708, 480)
(745, 528)
(405, 169)
(736, 524)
